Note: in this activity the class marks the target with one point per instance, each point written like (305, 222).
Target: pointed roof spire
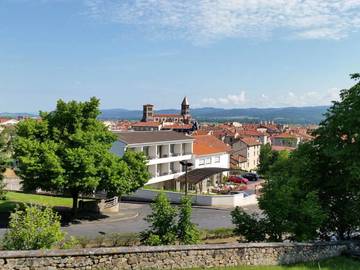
(185, 101)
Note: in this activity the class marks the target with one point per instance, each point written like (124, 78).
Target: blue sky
(229, 54)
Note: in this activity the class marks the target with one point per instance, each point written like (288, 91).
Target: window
(146, 150)
(183, 148)
(159, 151)
(201, 162)
(208, 161)
(172, 167)
(217, 159)
(172, 149)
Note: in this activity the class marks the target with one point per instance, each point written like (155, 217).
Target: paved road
(206, 218)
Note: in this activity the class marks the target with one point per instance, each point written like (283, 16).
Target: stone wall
(169, 257)
(198, 199)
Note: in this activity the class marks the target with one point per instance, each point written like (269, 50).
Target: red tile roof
(250, 133)
(250, 141)
(208, 144)
(3, 119)
(178, 126)
(146, 124)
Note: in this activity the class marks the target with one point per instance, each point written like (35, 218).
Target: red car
(238, 180)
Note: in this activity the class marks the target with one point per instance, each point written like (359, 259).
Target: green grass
(15, 198)
(339, 263)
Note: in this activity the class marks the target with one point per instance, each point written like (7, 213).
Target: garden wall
(170, 257)
(205, 200)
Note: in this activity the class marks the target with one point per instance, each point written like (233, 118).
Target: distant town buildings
(231, 145)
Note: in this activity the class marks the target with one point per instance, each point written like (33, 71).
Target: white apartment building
(210, 152)
(164, 149)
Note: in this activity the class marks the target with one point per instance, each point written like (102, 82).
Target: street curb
(105, 221)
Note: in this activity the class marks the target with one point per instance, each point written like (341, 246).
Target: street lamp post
(186, 164)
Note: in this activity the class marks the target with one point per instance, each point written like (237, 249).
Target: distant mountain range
(296, 115)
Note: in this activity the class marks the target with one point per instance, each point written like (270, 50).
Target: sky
(218, 53)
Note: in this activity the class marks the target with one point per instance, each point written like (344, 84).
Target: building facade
(248, 148)
(210, 152)
(164, 151)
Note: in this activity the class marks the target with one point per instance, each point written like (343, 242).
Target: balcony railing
(168, 155)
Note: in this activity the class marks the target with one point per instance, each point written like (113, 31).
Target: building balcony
(168, 159)
(165, 177)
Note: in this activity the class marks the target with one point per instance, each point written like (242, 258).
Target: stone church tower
(185, 110)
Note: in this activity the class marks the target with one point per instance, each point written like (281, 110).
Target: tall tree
(67, 151)
(337, 163)
(316, 192)
(5, 154)
(289, 202)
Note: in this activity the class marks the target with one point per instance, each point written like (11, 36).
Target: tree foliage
(33, 228)
(67, 151)
(162, 223)
(336, 163)
(5, 155)
(187, 232)
(251, 227)
(268, 158)
(315, 192)
(291, 206)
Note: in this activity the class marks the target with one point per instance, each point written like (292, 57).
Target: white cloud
(311, 98)
(229, 100)
(207, 20)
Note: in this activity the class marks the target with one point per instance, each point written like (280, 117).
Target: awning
(197, 175)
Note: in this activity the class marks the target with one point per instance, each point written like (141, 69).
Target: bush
(218, 233)
(249, 226)
(33, 228)
(162, 219)
(187, 232)
(71, 242)
(2, 190)
(120, 239)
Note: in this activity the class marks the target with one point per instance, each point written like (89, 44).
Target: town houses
(168, 139)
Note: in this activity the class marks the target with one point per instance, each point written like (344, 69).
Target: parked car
(238, 180)
(250, 176)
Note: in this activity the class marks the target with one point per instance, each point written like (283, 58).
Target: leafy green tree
(291, 206)
(251, 227)
(68, 151)
(267, 159)
(336, 163)
(187, 232)
(33, 228)
(163, 223)
(125, 174)
(5, 155)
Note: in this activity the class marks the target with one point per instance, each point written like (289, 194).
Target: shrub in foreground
(251, 227)
(163, 226)
(33, 228)
(187, 232)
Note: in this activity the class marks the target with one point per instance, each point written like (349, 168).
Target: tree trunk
(75, 197)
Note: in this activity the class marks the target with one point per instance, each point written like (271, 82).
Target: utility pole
(186, 164)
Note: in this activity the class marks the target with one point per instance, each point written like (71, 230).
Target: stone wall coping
(150, 249)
